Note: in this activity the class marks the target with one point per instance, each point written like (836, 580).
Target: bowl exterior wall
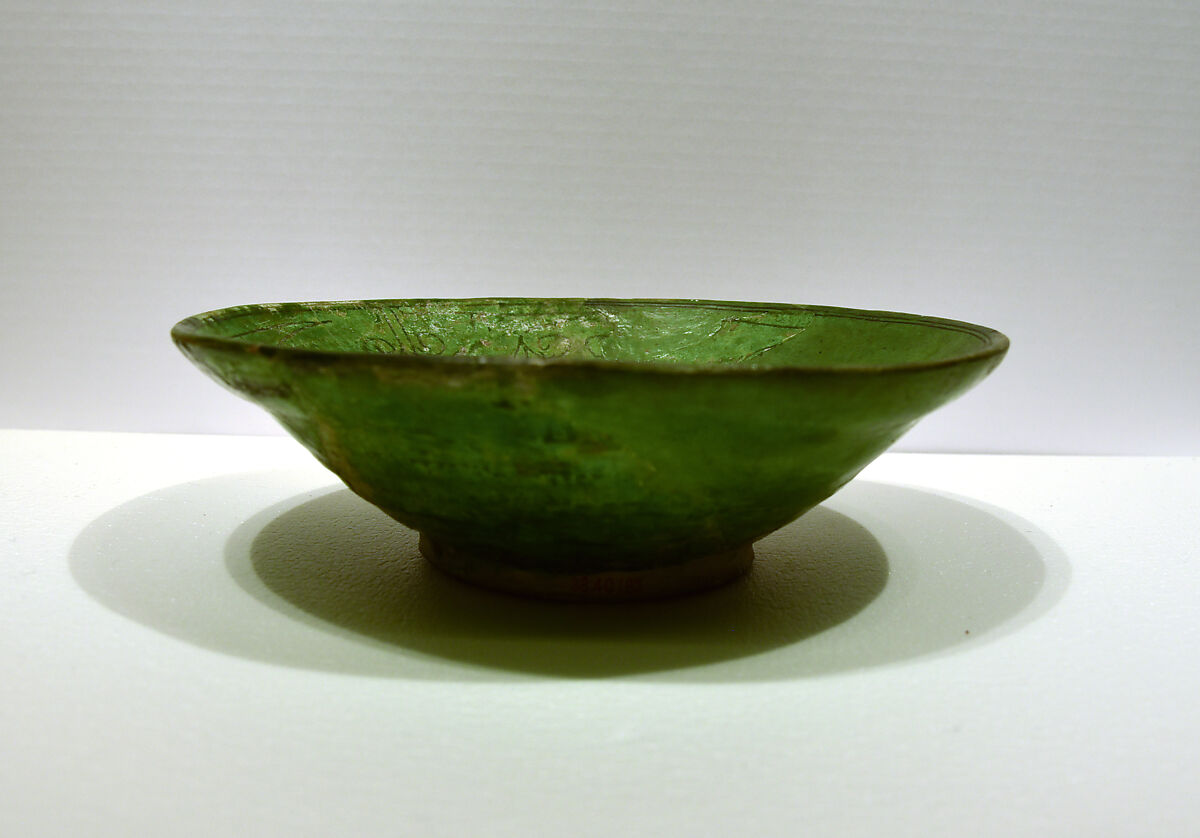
(584, 467)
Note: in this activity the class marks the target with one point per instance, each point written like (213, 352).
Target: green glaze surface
(591, 448)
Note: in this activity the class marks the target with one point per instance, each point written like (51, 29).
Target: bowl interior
(656, 332)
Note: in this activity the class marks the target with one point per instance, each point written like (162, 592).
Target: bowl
(590, 448)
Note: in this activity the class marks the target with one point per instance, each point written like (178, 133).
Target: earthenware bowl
(590, 449)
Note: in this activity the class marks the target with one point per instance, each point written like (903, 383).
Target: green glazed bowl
(591, 449)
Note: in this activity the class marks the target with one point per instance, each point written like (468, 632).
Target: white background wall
(1031, 166)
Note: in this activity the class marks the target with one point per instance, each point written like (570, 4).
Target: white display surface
(207, 636)
(1030, 166)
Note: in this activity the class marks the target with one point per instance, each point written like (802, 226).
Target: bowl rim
(190, 332)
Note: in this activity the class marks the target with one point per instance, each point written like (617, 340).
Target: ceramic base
(688, 577)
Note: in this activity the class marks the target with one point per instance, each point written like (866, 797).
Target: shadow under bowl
(590, 448)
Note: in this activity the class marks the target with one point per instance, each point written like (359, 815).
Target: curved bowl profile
(579, 448)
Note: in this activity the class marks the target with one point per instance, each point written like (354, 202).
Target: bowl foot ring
(690, 576)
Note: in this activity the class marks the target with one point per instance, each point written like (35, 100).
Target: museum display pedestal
(209, 635)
